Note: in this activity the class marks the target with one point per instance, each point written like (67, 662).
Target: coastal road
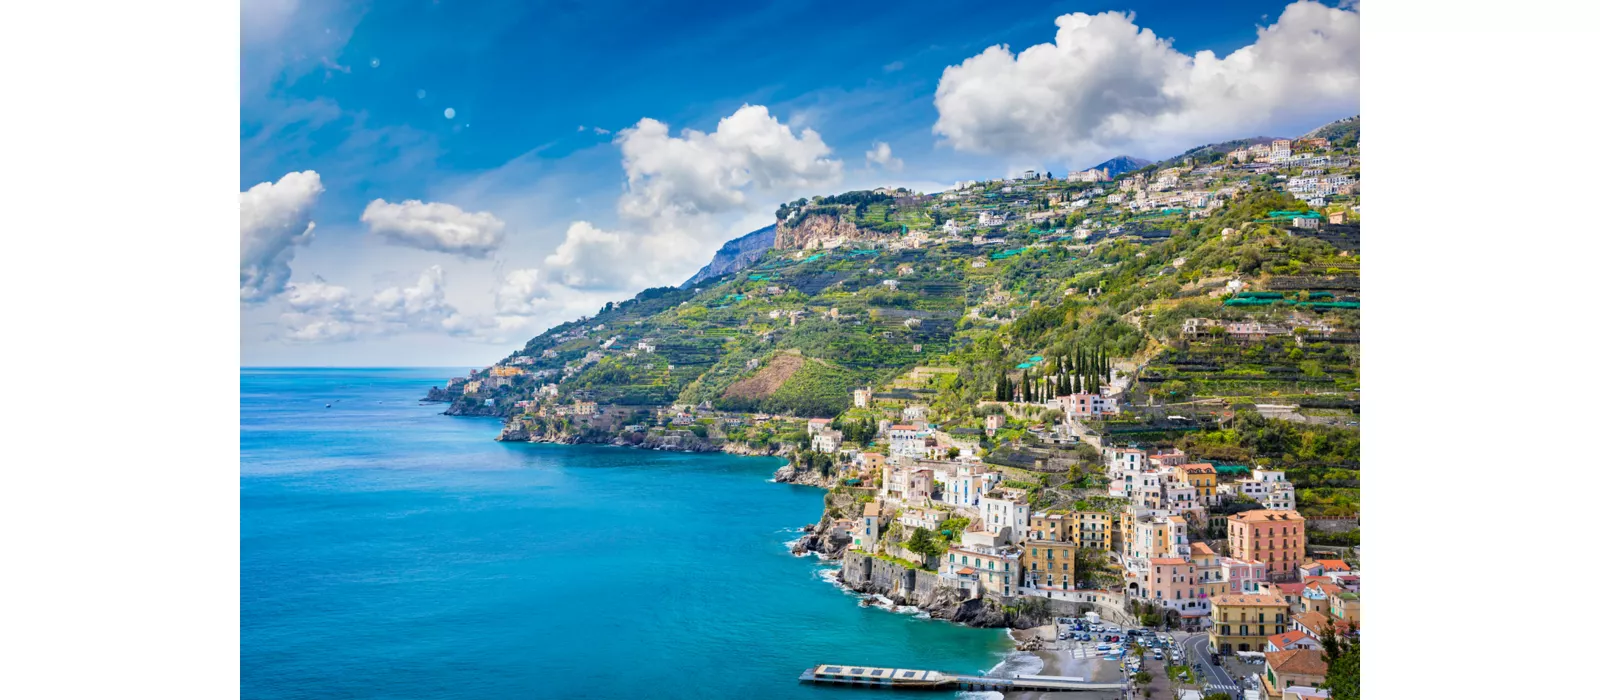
(1197, 649)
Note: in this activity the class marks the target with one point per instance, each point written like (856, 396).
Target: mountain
(1201, 290)
(1121, 164)
(735, 255)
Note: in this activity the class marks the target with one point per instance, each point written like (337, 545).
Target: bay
(390, 552)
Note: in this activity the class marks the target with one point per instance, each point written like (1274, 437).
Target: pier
(917, 679)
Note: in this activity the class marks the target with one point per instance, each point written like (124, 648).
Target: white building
(906, 441)
(1005, 513)
(991, 218)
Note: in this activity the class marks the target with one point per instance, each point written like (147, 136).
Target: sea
(389, 551)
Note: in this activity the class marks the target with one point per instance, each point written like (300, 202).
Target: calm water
(391, 552)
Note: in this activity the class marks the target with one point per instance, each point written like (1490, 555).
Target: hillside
(1203, 286)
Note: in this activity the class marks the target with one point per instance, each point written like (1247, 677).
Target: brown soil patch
(766, 381)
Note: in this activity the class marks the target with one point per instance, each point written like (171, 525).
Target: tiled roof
(1298, 661)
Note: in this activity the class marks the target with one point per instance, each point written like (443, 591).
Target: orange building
(1276, 538)
(1203, 477)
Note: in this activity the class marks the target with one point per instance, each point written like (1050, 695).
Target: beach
(1057, 660)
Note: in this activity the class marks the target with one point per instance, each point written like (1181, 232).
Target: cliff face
(736, 255)
(813, 230)
(938, 597)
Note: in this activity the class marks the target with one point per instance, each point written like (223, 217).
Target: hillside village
(1136, 392)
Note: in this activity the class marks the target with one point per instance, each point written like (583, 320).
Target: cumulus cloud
(274, 220)
(677, 186)
(883, 156)
(435, 226)
(320, 313)
(1105, 84)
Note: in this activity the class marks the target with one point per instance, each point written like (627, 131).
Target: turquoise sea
(388, 551)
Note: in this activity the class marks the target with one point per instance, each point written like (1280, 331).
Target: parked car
(1158, 655)
(1103, 647)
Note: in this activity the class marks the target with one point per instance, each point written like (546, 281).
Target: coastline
(812, 541)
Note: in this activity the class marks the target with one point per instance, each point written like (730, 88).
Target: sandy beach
(1058, 661)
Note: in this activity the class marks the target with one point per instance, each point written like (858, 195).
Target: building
(1092, 529)
(1173, 583)
(1048, 564)
(925, 518)
(1346, 606)
(991, 218)
(1049, 527)
(1293, 639)
(1203, 477)
(1208, 569)
(816, 425)
(1276, 538)
(827, 441)
(863, 397)
(871, 526)
(987, 570)
(1243, 622)
(584, 408)
(1005, 513)
(905, 441)
(993, 422)
(1085, 405)
(1295, 667)
(1241, 576)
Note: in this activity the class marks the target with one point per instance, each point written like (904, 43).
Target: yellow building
(1208, 569)
(1092, 529)
(1243, 621)
(1048, 564)
(1203, 477)
(1050, 527)
(505, 371)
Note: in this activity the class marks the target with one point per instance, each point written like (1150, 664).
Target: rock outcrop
(735, 255)
(814, 230)
(938, 597)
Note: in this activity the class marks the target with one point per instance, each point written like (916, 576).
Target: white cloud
(601, 131)
(320, 312)
(274, 219)
(678, 187)
(883, 156)
(894, 66)
(435, 226)
(1105, 84)
(699, 173)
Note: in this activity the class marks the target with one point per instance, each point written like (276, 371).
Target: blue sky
(540, 194)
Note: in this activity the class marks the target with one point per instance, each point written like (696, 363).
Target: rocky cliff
(735, 255)
(938, 597)
(814, 229)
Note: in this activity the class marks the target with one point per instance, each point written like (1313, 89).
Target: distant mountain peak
(1120, 164)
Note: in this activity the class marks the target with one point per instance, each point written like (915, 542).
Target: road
(1197, 648)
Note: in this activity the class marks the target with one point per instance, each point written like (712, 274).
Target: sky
(434, 182)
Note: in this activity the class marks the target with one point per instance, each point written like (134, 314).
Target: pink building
(1243, 576)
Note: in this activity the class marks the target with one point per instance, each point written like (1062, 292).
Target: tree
(952, 453)
(1344, 664)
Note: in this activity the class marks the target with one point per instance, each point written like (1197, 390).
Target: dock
(918, 679)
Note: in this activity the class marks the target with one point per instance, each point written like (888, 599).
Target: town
(1127, 397)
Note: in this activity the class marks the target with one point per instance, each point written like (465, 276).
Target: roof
(1263, 516)
(1333, 564)
(871, 510)
(1248, 599)
(1201, 548)
(1201, 468)
(1314, 621)
(1298, 661)
(902, 426)
(1291, 588)
(967, 570)
(1282, 641)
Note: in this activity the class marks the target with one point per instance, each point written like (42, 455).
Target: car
(1103, 647)
(1061, 636)
(1115, 638)
(1158, 655)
